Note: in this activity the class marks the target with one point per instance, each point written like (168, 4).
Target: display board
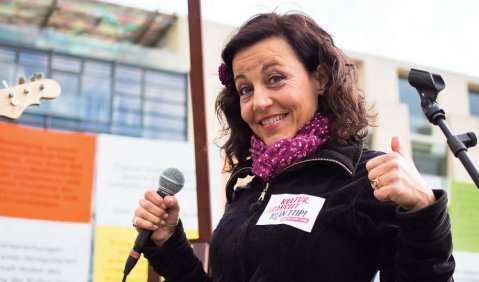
(46, 188)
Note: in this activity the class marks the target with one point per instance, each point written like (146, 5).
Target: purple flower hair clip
(225, 76)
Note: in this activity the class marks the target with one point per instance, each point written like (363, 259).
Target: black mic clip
(428, 85)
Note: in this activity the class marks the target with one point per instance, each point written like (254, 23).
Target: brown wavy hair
(342, 102)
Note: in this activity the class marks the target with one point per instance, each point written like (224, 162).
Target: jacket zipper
(263, 193)
(318, 159)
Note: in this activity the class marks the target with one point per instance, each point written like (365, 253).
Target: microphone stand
(428, 86)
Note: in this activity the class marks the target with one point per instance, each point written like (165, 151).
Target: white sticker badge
(297, 210)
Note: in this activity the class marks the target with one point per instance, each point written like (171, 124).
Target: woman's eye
(245, 90)
(275, 79)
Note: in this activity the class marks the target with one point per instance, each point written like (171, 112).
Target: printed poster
(126, 168)
(45, 204)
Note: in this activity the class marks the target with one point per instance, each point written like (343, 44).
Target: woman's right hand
(158, 214)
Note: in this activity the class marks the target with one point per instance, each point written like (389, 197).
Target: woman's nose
(261, 100)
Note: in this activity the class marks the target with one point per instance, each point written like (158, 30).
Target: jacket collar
(347, 155)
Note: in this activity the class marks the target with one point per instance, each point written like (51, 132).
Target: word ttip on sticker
(289, 214)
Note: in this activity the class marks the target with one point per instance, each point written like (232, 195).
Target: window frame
(45, 115)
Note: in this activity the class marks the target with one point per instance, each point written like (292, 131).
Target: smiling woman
(294, 120)
(317, 61)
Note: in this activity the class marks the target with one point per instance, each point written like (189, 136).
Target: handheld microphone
(171, 182)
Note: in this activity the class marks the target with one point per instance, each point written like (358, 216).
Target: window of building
(67, 71)
(96, 92)
(408, 95)
(474, 102)
(102, 96)
(430, 158)
(165, 113)
(7, 64)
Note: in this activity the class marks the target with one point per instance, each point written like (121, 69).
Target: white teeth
(271, 120)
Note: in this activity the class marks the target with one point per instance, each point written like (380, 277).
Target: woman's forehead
(263, 54)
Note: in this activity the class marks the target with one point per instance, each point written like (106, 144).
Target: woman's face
(277, 94)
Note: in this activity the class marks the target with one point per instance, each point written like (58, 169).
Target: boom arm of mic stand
(457, 143)
(459, 148)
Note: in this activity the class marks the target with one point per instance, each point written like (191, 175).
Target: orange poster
(46, 174)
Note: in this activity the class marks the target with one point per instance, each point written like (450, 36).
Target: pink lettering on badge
(295, 219)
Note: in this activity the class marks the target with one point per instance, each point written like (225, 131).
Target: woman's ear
(322, 79)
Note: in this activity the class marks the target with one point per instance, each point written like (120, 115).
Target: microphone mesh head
(171, 181)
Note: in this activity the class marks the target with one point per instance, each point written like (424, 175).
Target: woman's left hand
(398, 179)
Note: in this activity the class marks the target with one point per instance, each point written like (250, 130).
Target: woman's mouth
(273, 119)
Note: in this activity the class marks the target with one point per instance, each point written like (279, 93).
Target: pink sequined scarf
(268, 161)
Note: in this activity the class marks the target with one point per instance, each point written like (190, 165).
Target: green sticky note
(464, 214)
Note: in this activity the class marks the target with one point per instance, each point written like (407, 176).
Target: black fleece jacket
(353, 237)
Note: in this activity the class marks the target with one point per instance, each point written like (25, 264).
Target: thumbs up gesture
(395, 178)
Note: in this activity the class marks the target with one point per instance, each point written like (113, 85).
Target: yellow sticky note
(112, 247)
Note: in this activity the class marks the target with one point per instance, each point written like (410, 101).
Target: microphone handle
(143, 236)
